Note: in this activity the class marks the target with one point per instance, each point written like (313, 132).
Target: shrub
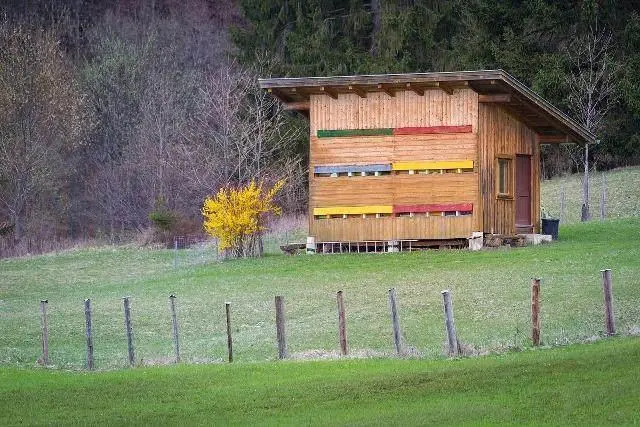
(161, 216)
(236, 216)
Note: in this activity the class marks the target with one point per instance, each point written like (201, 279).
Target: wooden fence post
(535, 311)
(280, 328)
(175, 252)
(452, 337)
(395, 321)
(342, 324)
(87, 316)
(227, 308)
(562, 202)
(603, 198)
(608, 302)
(45, 331)
(129, 330)
(174, 323)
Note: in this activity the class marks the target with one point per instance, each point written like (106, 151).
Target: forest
(115, 116)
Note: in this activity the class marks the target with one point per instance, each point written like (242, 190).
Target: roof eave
(279, 86)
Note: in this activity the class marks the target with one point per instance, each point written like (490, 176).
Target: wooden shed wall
(406, 108)
(499, 133)
(388, 228)
(379, 110)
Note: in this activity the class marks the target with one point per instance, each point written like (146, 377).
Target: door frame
(527, 228)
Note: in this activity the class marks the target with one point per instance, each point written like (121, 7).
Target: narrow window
(504, 181)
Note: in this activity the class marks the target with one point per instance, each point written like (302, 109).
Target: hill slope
(622, 189)
(490, 288)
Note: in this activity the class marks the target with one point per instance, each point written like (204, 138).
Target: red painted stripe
(452, 207)
(432, 129)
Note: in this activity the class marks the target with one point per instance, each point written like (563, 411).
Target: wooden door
(523, 194)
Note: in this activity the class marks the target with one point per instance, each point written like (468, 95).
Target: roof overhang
(492, 86)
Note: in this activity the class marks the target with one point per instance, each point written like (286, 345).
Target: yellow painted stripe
(353, 210)
(456, 164)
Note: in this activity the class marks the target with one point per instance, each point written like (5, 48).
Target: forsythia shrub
(235, 215)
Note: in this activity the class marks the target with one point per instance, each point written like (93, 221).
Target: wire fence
(193, 250)
(239, 331)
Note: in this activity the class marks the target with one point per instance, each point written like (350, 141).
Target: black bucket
(550, 226)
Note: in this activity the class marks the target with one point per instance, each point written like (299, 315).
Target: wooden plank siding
(395, 189)
(385, 149)
(380, 111)
(330, 133)
(433, 166)
(448, 207)
(499, 133)
(405, 109)
(351, 191)
(428, 189)
(389, 228)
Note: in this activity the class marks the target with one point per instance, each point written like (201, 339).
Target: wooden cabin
(426, 156)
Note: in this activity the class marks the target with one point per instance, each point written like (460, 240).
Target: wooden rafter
(447, 88)
(280, 94)
(329, 92)
(297, 106)
(418, 89)
(358, 91)
(387, 89)
(495, 98)
(553, 139)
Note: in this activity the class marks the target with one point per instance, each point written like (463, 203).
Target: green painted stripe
(331, 133)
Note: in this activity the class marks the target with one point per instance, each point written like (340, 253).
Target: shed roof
(493, 86)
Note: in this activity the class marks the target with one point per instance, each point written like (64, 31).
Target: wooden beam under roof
(418, 89)
(495, 98)
(358, 91)
(386, 89)
(297, 106)
(553, 139)
(329, 91)
(280, 94)
(449, 87)
(446, 87)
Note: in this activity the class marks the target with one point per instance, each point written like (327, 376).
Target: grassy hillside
(593, 384)
(623, 194)
(491, 295)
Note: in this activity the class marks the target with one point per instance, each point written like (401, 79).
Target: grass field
(623, 195)
(594, 384)
(491, 294)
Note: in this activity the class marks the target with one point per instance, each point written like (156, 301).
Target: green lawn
(623, 194)
(595, 384)
(491, 296)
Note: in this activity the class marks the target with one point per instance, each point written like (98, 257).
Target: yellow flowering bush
(236, 215)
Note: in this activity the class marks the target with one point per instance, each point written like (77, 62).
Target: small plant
(161, 216)
(5, 228)
(236, 216)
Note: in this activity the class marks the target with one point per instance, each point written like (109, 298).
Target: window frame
(509, 181)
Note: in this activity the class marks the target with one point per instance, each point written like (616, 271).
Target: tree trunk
(17, 228)
(375, 10)
(585, 186)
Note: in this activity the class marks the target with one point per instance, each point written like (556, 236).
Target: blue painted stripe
(352, 168)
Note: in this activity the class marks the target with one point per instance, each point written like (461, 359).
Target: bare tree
(239, 133)
(592, 86)
(43, 121)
